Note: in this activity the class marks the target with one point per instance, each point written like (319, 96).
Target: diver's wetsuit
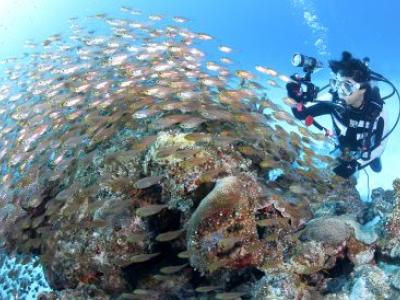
(358, 130)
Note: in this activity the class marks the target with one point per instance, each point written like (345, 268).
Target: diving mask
(344, 87)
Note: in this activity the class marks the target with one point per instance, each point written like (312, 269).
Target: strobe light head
(307, 62)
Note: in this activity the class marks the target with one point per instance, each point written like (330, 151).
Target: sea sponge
(336, 230)
(331, 230)
(222, 231)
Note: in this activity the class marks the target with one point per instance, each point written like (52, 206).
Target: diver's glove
(294, 91)
(346, 168)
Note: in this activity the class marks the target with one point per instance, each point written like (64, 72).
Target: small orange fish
(266, 71)
(192, 122)
(284, 78)
(289, 101)
(226, 60)
(156, 17)
(204, 36)
(229, 296)
(207, 289)
(169, 121)
(169, 236)
(272, 83)
(180, 19)
(184, 254)
(141, 258)
(225, 49)
(284, 116)
(244, 74)
(172, 269)
(150, 210)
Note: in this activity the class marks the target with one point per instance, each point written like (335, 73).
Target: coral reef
(21, 276)
(390, 243)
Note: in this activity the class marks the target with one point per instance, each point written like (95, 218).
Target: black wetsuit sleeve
(318, 109)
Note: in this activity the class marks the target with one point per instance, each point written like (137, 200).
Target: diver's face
(350, 91)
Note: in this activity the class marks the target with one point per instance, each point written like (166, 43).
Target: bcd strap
(366, 142)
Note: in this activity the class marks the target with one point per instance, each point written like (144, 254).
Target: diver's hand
(294, 91)
(346, 168)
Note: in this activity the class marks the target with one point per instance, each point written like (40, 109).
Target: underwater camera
(307, 62)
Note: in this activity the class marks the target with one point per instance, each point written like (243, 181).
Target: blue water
(261, 32)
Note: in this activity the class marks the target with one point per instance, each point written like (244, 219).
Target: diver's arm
(301, 112)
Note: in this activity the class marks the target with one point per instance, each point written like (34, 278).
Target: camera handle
(312, 90)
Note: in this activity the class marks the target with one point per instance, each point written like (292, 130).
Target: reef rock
(369, 282)
(390, 241)
(328, 240)
(279, 286)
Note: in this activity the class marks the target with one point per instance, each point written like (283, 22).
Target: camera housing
(308, 63)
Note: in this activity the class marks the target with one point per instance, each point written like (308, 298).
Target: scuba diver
(355, 106)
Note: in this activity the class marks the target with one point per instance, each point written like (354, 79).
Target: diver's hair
(350, 67)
